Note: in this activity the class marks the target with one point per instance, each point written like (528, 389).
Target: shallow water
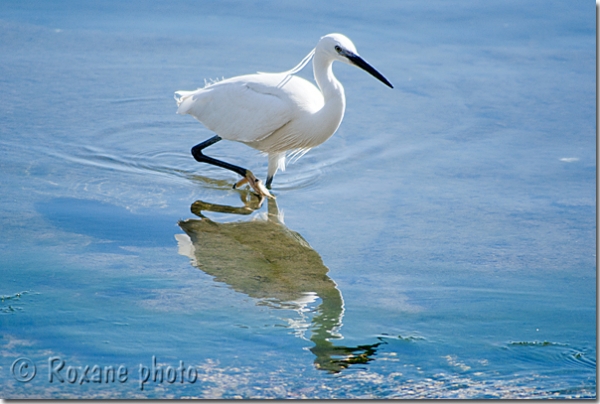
(440, 245)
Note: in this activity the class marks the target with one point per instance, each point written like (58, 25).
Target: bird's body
(280, 113)
(276, 113)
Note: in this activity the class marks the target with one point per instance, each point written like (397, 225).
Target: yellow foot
(256, 185)
(240, 183)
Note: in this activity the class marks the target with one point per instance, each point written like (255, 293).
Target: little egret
(276, 113)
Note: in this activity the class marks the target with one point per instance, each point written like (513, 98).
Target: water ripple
(552, 352)
(144, 148)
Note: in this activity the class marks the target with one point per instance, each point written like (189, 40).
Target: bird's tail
(180, 98)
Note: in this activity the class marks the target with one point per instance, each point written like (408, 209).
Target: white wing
(244, 109)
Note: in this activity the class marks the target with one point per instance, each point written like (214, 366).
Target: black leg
(247, 174)
(269, 181)
(197, 153)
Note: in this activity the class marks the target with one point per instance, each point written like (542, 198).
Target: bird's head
(340, 47)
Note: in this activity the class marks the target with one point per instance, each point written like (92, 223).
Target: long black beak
(360, 62)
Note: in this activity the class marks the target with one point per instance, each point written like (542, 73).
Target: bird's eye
(338, 49)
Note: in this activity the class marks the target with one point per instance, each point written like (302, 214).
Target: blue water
(441, 245)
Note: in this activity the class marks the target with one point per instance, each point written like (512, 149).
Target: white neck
(329, 85)
(332, 112)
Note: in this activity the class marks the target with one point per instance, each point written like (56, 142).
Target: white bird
(276, 113)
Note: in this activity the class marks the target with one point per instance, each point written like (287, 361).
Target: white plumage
(276, 113)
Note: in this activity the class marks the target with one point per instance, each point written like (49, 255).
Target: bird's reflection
(265, 260)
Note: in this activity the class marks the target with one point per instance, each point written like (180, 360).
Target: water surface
(440, 245)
